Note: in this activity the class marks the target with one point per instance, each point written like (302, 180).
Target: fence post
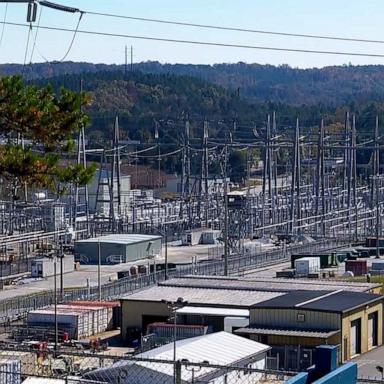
(178, 372)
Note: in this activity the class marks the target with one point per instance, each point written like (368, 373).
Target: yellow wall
(132, 312)
(363, 314)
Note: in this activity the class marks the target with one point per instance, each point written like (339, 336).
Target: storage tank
(307, 265)
(357, 267)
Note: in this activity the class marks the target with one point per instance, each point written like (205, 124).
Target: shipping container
(372, 241)
(166, 330)
(190, 238)
(45, 267)
(112, 307)
(210, 237)
(307, 265)
(79, 321)
(327, 260)
(357, 267)
(378, 265)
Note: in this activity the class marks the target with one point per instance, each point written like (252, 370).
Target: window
(300, 317)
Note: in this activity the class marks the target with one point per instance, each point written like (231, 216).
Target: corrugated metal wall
(289, 318)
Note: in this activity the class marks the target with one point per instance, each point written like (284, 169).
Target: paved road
(78, 279)
(368, 362)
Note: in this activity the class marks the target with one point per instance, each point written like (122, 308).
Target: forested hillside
(143, 100)
(333, 86)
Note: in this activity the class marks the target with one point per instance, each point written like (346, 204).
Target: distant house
(221, 349)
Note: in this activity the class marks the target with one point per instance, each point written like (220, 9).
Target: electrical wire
(5, 19)
(203, 43)
(237, 29)
(73, 37)
(36, 33)
(27, 46)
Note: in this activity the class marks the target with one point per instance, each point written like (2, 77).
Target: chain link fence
(18, 307)
(19, 364)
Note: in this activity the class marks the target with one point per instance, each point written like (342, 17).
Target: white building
(222, 349)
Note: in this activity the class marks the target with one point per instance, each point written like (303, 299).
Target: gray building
(117, 248)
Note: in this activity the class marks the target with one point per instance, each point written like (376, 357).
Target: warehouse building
(211, 306)
(295, 323)
(221, 349)
(119, 248)
(271, 284)
(221, 303)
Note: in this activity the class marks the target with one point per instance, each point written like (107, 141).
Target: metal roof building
(219, 348)
(117, 248)
(301, 320)
(270, 284)
(202, 296)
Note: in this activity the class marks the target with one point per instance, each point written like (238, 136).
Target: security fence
(18, 307)
(17, 364)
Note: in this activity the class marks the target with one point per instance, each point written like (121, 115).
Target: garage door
(355, 337)
(372, 330)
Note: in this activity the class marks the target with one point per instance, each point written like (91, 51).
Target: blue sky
(353, 18)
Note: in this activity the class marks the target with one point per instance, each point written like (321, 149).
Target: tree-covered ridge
(143, 99)
(333, 86)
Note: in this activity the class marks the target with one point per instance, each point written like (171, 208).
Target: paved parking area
(368, 362)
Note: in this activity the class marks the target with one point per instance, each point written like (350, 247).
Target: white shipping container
(209, 237)
(306, 265)
(10, 371)
(45, 267)
(378, 265)
(190, 238)
(82, 322)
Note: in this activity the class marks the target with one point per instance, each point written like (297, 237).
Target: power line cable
(27, 46)
(73, 37)
(36, 33)
(237, 29)
(204, 43)
(5, 19)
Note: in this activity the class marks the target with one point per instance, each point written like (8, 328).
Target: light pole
(55, 302)
(173, 306)
(99, 269)
(166, 257)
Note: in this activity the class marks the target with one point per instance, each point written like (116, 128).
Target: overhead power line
(236, 29)
(5, 19)
(203, 43)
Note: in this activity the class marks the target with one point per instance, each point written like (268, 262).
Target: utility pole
(354, 174)
(99, 269)
(265, 165)
(55, 303)
(295, 183)
(115, 175)
(81, 160)
(205, 173)
(126, 63)
(318, 172)
(226, 234)
(322, 178)
(269, 167)
(274, 158)
(131, 58)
